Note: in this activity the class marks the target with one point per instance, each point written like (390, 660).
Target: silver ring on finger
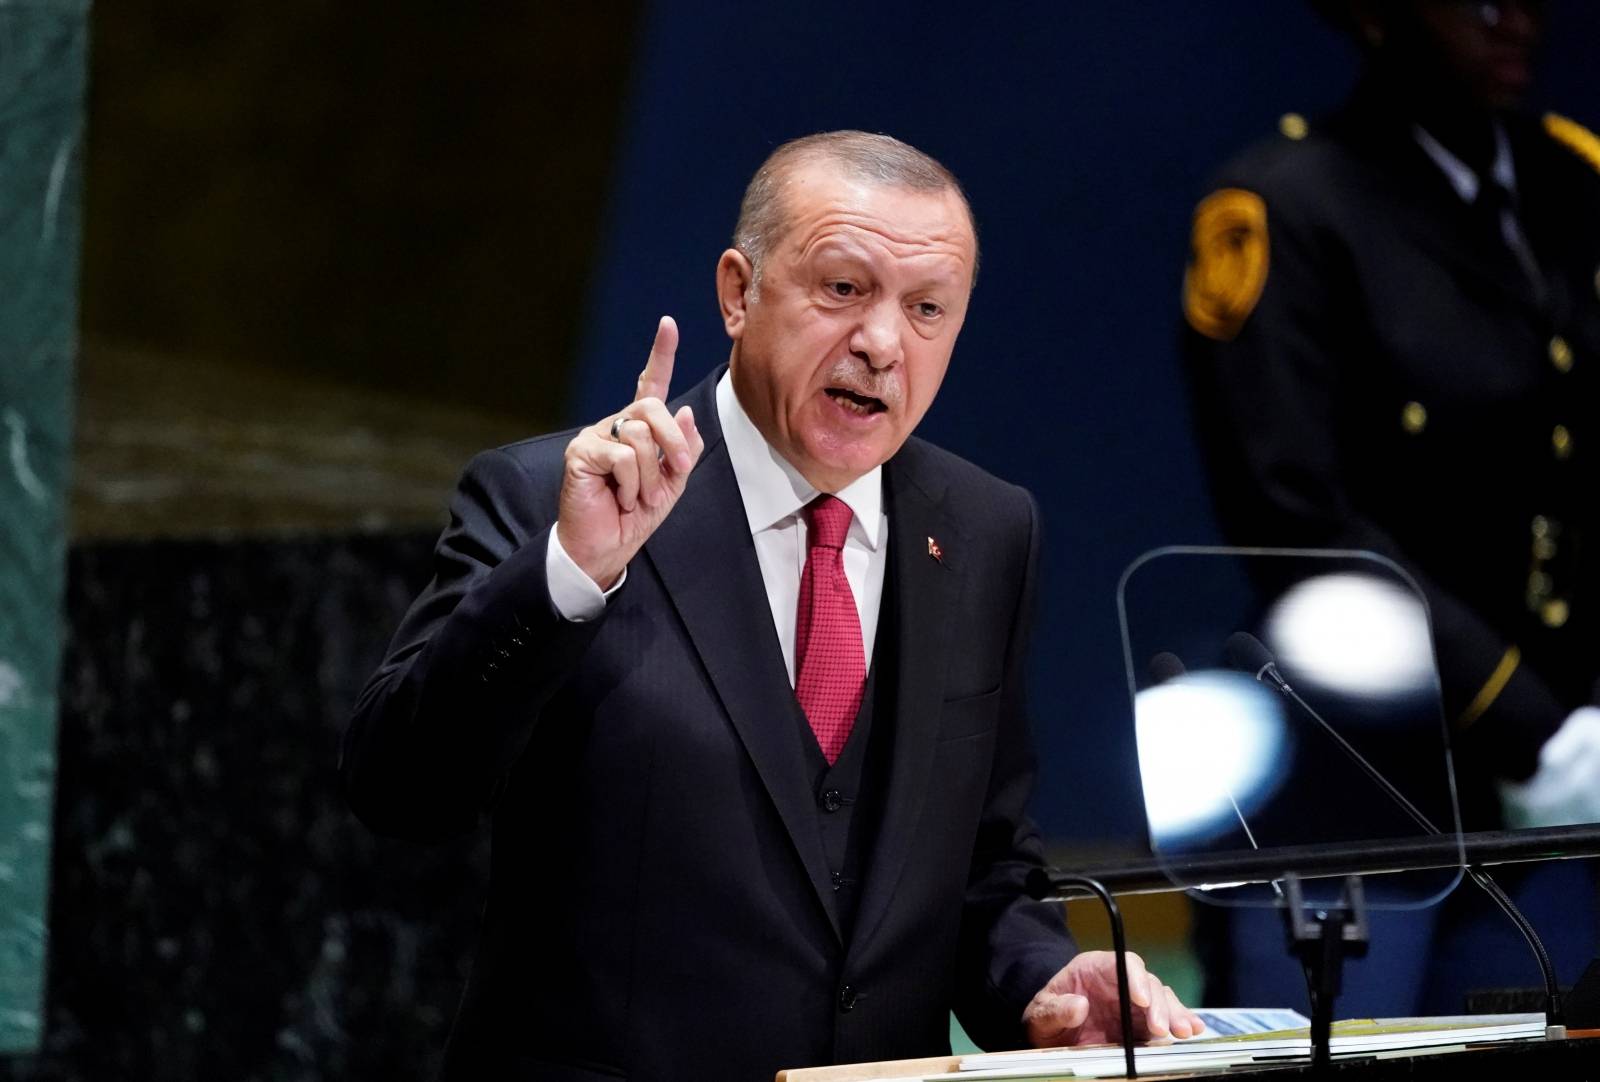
(616, 428)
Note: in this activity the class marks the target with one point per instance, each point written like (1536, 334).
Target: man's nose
(877, 337)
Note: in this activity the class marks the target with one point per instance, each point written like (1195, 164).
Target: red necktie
(829, 660)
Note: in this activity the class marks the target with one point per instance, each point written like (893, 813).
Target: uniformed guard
(1393, 337)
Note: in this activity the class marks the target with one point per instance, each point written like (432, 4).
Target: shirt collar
(1456, 171)
(773, 490)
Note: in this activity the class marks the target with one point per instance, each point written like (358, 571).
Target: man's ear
(735, 282)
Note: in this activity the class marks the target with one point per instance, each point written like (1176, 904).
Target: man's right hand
(615, 490)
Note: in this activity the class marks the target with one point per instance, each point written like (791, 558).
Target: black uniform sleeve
(481, 649)
(1268, 389)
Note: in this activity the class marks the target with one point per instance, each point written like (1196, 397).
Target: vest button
(832, 800)
(847, 999)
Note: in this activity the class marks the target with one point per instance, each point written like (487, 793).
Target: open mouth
(855, 402)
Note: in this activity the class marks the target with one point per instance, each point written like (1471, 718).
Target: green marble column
(42, 54)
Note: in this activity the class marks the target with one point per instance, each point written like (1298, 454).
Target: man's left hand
(1079, 1005)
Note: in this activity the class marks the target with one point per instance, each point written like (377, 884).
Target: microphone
(1165, 666)
(1246, 653)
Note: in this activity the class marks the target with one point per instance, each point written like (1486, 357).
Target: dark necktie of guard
(830, 662)
(1494, 205)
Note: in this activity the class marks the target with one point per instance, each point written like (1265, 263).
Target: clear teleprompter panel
(1286, 702)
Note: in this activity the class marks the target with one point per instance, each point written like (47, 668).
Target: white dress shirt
(774, 495)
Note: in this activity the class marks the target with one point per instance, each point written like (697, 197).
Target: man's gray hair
(864, 156)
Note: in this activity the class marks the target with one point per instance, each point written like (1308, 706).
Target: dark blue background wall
(1084, 133)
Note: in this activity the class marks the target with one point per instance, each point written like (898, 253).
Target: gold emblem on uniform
(1228, 267)
(1575, 137)
(1414, 418)
(1293, 126)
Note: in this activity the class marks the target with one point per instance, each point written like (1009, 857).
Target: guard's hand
(1079, 1005)
(624, 473)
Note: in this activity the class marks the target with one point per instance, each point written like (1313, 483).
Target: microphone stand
(1243, 647)
(1322, 939)
(1321, 952)
(1119, 944)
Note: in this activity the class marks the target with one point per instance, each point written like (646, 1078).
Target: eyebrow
(841, 247)
(838, 246)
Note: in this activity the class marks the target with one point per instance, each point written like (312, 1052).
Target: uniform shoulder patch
(1228, 262)
(1575, 137)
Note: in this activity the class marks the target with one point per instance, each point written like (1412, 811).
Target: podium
(1576, 1057)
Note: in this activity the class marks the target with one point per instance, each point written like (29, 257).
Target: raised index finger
(657, 374)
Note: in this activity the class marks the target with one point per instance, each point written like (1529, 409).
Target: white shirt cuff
(575, 595)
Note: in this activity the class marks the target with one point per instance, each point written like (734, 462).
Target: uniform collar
(773, 490)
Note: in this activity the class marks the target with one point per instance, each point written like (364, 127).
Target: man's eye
(842, 289)
(928, 310)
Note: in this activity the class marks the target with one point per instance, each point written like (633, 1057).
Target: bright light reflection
(1353, 633)
(1202, 738)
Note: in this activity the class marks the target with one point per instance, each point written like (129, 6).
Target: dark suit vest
(848, 796)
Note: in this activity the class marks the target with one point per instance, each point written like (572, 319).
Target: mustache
(854, 376)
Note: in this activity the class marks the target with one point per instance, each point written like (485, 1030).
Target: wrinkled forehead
(827, 210)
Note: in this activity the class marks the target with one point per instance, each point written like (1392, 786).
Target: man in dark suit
(1394, 342)
(740, 681)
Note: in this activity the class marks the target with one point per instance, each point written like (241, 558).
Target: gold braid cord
(1492, 688)
(1575, 137)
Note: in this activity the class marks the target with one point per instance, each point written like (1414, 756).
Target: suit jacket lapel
(704, 557)
(924, 589)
